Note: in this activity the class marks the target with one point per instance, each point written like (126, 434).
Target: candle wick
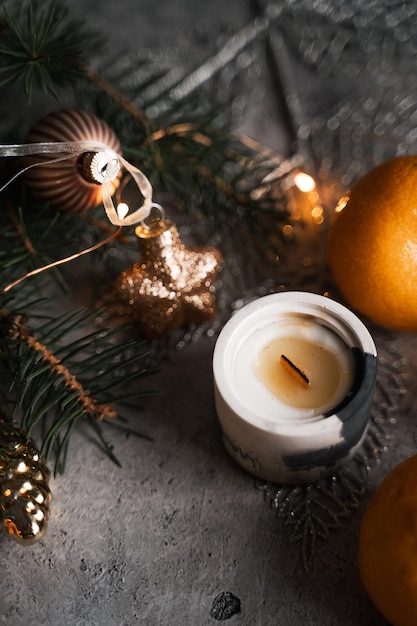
(295, 371)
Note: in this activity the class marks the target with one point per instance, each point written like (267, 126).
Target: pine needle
(42, 48)
(57, 393)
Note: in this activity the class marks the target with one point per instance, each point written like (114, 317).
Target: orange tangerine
(372, 245)
(388, 546)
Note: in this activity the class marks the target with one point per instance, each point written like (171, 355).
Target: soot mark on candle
(295, 371)
(353, 414)
(224, 606)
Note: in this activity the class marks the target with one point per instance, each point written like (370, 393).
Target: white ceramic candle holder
(282, 434)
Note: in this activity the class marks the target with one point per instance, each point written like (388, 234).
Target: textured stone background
(156, 541)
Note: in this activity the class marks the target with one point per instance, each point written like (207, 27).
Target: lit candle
(294, 375)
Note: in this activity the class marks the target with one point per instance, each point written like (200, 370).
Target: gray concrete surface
(155, 542)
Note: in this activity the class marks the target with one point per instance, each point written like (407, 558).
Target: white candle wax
(274, 427)
(264, 385)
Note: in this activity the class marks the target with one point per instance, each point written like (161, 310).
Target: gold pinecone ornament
(24, 491)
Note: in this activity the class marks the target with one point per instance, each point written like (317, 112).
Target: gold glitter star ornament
(172, 286)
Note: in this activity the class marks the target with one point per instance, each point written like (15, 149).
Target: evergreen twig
(18, 331)
(35, 46)
(57, 390)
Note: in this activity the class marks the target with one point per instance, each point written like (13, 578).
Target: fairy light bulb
(304, 182)
(122, 209)
(341, 204)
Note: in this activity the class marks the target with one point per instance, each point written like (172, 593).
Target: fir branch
(19, 227)
(31, 237)
(57, 392)
(104, 85)
(36, 45)
(192, 143)
(34, 239)
(17, 330)
(193, 162)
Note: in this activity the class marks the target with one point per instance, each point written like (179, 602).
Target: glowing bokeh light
(304, 182)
